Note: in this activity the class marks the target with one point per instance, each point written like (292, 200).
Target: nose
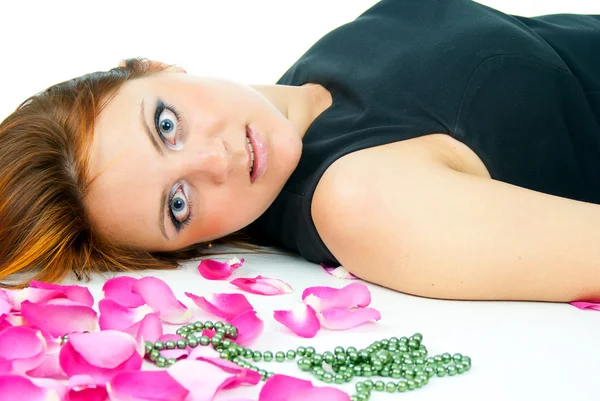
(210, 159)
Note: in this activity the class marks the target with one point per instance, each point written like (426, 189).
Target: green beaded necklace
(403, 359)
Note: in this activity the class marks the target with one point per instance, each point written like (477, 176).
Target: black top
(522, 93)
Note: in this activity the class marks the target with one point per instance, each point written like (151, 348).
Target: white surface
(520, 351)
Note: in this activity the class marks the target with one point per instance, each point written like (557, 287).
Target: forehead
(121, 164)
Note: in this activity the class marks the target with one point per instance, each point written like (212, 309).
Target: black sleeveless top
(522, 93)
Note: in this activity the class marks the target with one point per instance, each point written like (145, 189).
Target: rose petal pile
(332, 308)
(54, 346)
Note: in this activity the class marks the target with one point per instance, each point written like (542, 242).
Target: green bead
(247, 353)
(204, 340)
(411, 384)
(413, 344)
(304, 364)
(208, 325)
(419, 381)
(420, 362)
(339, 350)
(364, 355)
(171, 361)
(233, 333)
(257, 356)
(279, 356)
(409, 373)
(268, 356)
(291, 355)
(328, 357)
(362, 396)
(161, 361)
(402, 387)
(148, 347)
(352, 356)
(440, 371)
(367, 371)
(417, 337)
(216, 341)
(353, 398)
(379, 385)
(218, 325)
(403, 340)
(451, 370)
(159, 345)
(327, 377)
(438, 359)
(446, 357)
(460, 368)
(390, 387)
(181, 332)
(360, 386)
(228, 326)
(466, 364)
(357, 370)
(338, 378)
(198, 326)
(154, 354)
(225, 355)
(396, 373)
(457, 358)
(310, 351)
(369, 384)
(465, 359)
(226, 343)
(385, 372)
(301, 351)
(341, 358)
(429, 371)
(181, 344)
(317, 359)
(348, 376)
(392, 348)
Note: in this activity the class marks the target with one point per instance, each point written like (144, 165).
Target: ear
(157, 65)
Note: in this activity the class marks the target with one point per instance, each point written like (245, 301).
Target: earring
(209, 245)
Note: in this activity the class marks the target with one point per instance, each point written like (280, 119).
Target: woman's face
(171, 157)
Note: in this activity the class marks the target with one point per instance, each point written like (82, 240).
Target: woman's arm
(399, 216)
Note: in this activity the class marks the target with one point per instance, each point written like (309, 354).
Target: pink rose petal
(58, 319)
(150, 328)
(242, 375)
(147, 385)
(49, 368)
(342, 319)
(160, 298)
(352, 295)
(21, 388)
(249, 327)
(75, 293)
(173, 353)
(212, 270)
(83, 388)
(339, 272)
(120, 290)
(263, 285)
(204, 379)
(101, 355)
(23, 347)
(140, 322)
(35, 295)
(302, 320)
(226, 306)
(586, 305)
(286, 388)
(5, 305)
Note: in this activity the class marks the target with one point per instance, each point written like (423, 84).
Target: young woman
(439, 148)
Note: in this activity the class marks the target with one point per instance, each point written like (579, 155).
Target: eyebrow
(163, 195)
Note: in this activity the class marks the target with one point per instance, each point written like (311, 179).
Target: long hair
(45, 231)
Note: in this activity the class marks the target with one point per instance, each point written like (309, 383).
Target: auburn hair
(45, 231)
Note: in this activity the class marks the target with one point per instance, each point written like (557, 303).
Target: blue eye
(179, 208)
(167, 124)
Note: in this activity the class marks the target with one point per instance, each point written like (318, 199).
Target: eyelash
(178, 224)
(160, 107)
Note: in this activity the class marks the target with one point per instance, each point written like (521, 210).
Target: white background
(520, 351)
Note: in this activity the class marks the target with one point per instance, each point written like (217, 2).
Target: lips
(258, 147)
